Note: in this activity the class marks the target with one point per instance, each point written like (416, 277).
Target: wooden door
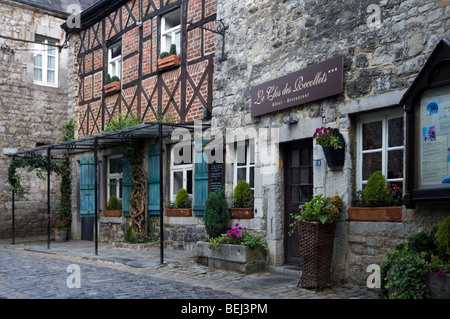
(298, 190)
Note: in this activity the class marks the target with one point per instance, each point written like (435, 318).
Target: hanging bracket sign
(313, 83)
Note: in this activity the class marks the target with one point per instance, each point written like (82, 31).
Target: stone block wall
(269, 39)
(30, 114)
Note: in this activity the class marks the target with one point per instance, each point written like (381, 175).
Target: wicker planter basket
(316, 252)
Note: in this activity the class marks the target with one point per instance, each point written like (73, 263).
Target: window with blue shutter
(200, 180)
(87, 186)
(154, 180)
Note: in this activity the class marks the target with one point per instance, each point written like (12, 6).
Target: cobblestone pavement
(31, 270)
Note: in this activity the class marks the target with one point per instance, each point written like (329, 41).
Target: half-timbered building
(126, 41)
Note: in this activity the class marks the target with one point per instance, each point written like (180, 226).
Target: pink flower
(441, 272)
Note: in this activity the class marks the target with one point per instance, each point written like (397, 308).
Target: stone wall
(269, 39)
(30, 114)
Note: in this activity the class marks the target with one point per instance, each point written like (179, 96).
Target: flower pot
(378, 214)
(316, 252)
(179, 212)
(112, 87)
(61, 234)
(112, 213)
(241, 213)
(169, 61)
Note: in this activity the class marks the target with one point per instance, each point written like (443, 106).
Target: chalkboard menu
(215, 176)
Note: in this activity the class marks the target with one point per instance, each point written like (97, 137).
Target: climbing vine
(33, 162)
(134, 155)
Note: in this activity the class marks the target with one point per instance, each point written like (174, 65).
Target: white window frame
(172, 32)
(184, 168)
(384, 117)
(48, 48)
(113, 176)
(248, 164)
(115, 62)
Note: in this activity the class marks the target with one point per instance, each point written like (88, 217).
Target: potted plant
(317, 225)
(113, 207)
(112, 84)
(167, 59)
(182, 206)
(333, 145)
(61, 228)
(380, 201)
(242, 201)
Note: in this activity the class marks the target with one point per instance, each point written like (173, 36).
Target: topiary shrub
(173, 49)
(216, 214)
(375, 191)
(182, 200)
(241, 195)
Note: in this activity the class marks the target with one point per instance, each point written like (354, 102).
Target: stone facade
(382, 55)
(30, 114)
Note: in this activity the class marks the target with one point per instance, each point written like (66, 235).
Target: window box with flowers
(380, 201)
(182, 206)
(60, 228)
(235, 250)
(242, 202)
(333, 145)
(112, 84)
(113, 207)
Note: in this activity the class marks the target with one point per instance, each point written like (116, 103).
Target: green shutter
(126, 188)
(87, 186)
(200, 180)
(154, 180)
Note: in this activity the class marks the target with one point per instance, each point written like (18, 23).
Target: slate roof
(58, 6)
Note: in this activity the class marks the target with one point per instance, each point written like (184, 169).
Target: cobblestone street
(30, 270)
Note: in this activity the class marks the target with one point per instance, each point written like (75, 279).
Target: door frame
(288, 147)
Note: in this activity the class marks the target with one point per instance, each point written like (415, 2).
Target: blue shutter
(200, 180)
(154, 180)
(87, 186)
(126, 188)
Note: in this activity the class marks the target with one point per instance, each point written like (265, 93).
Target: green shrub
(424, 241)
(443, 238)
(375, 191)
(164, 54)
(113, 203)
(182, 200)
(108, 78)
(216, 214)
(173, 49)
(242, 195)
(115, 78)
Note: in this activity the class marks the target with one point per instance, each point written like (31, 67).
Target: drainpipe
(13, 209)
(161, 212)
(96, 194)
(48, 197)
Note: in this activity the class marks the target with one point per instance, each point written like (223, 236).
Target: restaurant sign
(307, 85)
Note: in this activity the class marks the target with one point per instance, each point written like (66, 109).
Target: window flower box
(375, 214)
(178, 212)
(112, 87)
(241, 213)
(112, 212)
(172, 60)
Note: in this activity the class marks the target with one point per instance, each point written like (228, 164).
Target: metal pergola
(98, 142)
